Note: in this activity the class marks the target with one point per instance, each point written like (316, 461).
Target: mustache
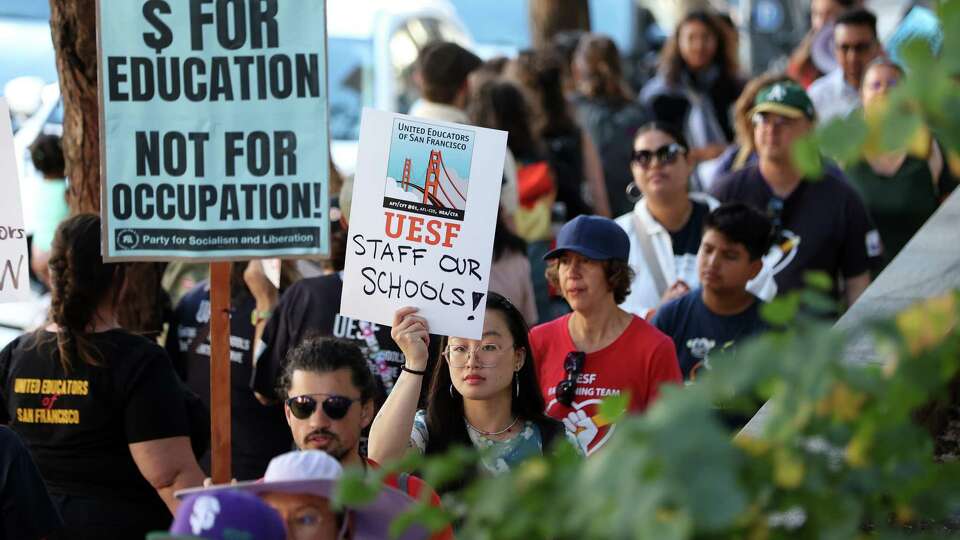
(321, 432)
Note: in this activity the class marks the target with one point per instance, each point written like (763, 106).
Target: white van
(372, 46)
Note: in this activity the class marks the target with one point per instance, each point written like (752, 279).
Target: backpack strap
(650, 256)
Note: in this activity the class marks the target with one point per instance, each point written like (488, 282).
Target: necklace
(492, 433)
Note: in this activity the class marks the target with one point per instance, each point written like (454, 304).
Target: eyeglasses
(566, 389)
(771, 119)
(335, 407)
(666, 155)
(487, 355)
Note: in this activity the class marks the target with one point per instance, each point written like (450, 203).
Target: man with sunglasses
(855, 43)
(821, 224)
(329, 402)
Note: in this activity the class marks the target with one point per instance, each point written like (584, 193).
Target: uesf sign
(214, 137)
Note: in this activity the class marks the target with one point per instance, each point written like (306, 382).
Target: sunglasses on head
(335, 407)
(566, 389)
(666, 154)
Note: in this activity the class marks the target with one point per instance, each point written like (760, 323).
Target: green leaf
(949, 13)
(781, 310)
(818, 280)
(354, 488)
(842, 138)
(612, 408)
(806, 156)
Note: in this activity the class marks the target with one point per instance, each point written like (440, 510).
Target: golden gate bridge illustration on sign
(440, 188)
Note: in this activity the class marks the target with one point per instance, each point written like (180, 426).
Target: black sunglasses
(566, 389)
(335, 407)
(666, 154)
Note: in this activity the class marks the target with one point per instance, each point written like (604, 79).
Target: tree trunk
(73, 26)
(550, 17)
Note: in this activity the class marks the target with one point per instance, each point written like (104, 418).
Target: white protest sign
(424, 210)
(14, 271)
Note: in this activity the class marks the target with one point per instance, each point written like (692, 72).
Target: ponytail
(80, 282)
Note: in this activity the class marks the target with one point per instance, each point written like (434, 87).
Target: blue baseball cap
(224, 515)
(594, 237)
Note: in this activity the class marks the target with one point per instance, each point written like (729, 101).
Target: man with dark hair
(820, 223)
(442, 71)
(721, 311)
(855, 46)
(329, 375)
(328, 401)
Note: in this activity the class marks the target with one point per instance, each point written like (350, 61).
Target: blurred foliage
(841, 453)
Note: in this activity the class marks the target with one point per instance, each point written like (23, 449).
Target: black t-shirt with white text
(824, 225)
(697, 332)
(78, 424)
(259, 433)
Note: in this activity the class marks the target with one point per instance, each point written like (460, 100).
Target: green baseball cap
(786, 98)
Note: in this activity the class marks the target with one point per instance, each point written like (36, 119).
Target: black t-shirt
(78, 425)
(696, 331)
(824, 225)
(687, 239)
(26, 511)
(311, 308)
(258, 432)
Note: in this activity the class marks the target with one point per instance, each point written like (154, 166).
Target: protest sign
(14, 264)
(214, 141)
(424, 210)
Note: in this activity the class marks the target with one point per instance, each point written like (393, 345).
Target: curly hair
(325, 355)
(618, 273)
(80, 282)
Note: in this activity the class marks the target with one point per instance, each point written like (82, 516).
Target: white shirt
(643, 291)
(832, 97)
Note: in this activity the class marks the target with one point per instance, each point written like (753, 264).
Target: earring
(516, 384)
(633, 192)
(451, 391)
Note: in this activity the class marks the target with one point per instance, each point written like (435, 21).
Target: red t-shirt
(638, 361)
(414, 486)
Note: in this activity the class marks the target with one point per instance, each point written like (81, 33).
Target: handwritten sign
(214, 129)
(14, 264)
(425, 201)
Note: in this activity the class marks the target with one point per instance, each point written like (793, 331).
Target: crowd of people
(637, 238)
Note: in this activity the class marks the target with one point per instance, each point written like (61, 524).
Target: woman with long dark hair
(608, 111)
(483, 393)
(697, 85)
(569, 149)
(100, 408)
(500, 104)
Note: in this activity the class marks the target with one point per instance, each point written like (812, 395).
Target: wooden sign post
(220, 372)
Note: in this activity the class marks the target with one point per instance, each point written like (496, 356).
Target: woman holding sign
(100, 409)
(482, 393)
